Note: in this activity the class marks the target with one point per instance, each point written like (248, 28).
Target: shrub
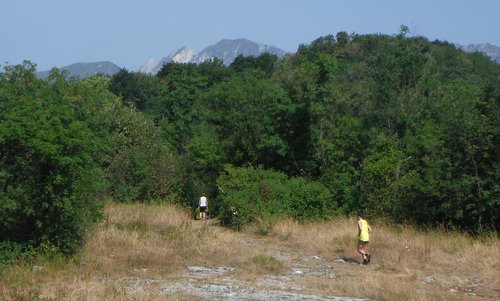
(48, 178)
(250, 194)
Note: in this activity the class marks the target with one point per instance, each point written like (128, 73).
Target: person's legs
(362, 251)
(203, 212)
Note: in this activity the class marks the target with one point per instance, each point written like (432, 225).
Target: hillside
(82, 70)
(157, 252)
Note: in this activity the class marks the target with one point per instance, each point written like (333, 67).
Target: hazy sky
(61, 32)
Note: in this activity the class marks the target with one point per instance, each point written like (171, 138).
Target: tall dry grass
(151, 241)
(407, 263)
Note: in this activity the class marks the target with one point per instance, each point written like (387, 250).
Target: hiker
(364, 230)
(203, 205)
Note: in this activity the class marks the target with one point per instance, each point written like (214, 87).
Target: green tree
(50, 182)
(256, 195)
(264, 62)
(183, 84)
(142, 91)
(250, 114)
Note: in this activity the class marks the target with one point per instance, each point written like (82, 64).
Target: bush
(253, 194)
(48, 178)
(141, 165)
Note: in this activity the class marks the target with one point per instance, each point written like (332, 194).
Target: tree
(264, 62)
(49, 181)
(250, 115)
(142, 91)
(183, 84)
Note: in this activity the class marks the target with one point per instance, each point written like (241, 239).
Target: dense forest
(401, 127)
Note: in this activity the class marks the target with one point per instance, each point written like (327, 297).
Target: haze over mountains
(226, 50)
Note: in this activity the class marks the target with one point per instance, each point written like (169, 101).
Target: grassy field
(158, 252)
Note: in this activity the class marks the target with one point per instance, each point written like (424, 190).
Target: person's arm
(369, 228)
(359, 229)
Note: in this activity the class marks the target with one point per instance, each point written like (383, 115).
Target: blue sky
(128, 33)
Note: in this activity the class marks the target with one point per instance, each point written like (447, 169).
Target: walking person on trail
(203, 205)
(364, 230)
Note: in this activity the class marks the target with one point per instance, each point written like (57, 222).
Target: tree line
(401, 127)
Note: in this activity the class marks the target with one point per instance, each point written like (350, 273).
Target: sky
(57, 33)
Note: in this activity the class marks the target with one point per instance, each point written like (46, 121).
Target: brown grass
(138, 241)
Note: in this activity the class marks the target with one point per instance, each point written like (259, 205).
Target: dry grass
(407, 264)
(137, 241)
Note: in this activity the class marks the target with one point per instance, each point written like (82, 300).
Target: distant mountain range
(82, 70)
(490, 50)
(226, 50)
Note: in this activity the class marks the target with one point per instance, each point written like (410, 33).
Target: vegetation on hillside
(401, 127)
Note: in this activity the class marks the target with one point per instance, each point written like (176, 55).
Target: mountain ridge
(226, 50)
(83, 70)
(490, 50)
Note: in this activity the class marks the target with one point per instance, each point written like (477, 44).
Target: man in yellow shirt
(364, 230)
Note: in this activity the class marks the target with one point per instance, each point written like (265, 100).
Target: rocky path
(227, 283)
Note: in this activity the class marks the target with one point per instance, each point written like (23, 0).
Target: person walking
(203, 205)
(364, 231)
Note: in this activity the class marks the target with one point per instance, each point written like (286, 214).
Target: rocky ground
(299, 281)
(224, 283)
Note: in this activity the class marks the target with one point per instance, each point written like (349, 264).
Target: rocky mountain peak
(226, 50)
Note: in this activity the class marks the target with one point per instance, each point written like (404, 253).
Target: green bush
(250, 194)
(141, 164)
(48, 178)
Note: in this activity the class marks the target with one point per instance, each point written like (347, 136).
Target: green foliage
(264, 62)
(205, 160)
(383, 172)
(48, 177)
(183, 83)
(250, 116)
(141, 166)
(12, 252)
(399, 126)
(138, 160)
(254, 194)
(214, 71)
(143, 92)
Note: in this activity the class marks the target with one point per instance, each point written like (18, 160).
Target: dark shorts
(360, 242)
(203, 208)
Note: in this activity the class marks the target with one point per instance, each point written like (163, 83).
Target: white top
(203, 201)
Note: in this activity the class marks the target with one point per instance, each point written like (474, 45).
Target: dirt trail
(297, 282)
(305, 277)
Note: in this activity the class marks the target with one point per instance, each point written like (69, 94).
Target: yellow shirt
(364, 234)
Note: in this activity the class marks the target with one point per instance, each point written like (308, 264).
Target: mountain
(490, 50)
(82, 70)
(226, 50)
(182, 55)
